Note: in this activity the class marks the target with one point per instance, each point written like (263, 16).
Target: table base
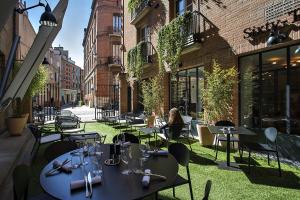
(233, 166)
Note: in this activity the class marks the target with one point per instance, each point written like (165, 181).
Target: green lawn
(262, 183)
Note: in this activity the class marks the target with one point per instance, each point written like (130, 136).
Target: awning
(6, 9)
(35, 56)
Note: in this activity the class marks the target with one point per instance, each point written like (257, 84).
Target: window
(186, 91)
(183, 5)
(117, 23)
(145, 34)
(116, 50)
(270, 91)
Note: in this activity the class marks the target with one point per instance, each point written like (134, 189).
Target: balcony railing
(116, 30)
(148, 51)
(114, 60)
(197, 28)
(140, 11)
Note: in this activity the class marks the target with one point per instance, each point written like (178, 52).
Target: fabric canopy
(35, 56)
(6, 9)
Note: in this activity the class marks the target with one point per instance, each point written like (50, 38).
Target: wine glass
(83, 152)
(126, 158)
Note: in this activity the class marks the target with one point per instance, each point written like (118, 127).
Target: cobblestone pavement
(86, 113)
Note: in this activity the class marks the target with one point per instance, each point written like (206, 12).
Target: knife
(89, 178)
(87, 194)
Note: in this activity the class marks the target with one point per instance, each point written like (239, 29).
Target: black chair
(269, 147)
(222, 138)
(182, 156)
(42, 136)
(207, 190)
(58, 148)
(174, 132)
(21, 178)
(128, 138)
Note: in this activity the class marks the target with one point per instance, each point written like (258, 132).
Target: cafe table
(114, 185)
(237, 131)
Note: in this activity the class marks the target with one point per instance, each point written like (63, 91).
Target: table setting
(109, 171)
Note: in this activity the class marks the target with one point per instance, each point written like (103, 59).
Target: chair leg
(249, 161)
(268, 159)
(191, 190)
(156, 195)
(216, 149)
(241, 151)
(278, 163)
(189, 142)
(174, 192)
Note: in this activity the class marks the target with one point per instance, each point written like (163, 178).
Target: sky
(71, 33)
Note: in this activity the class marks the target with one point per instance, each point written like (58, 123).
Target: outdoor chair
(21, 178)
(42, 135)
(58, 148)
(222, 138)
(182, 156)
(175, 132)
(77, 137)
(270, 146)
(128, 138)
(207, 190)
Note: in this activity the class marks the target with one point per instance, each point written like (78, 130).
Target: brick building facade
(102, 54)
(223, 31)
(22, 27)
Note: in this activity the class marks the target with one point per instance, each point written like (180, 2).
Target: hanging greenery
(133, 4)
(136, 58)
(171, 39)
(152, 93)
(217, 96)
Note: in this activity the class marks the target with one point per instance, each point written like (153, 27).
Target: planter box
(205, 137)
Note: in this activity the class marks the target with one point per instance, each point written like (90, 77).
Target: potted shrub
(217, 97)
(16, 123)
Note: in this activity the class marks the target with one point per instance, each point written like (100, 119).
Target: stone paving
(86, 113)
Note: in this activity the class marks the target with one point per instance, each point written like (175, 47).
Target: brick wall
(224, 40)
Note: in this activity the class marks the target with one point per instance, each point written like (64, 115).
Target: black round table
(114, 185)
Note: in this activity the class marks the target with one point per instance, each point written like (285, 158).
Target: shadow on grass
(269, 175)
(200, 159)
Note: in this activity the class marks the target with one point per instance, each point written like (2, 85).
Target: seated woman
(174, 125)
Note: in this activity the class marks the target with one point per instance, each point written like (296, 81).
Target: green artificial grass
(262, 183)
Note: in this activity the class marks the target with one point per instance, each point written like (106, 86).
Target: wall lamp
(297, 51)
(275, 37)
(47, 18)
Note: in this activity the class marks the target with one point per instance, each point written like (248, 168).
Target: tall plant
(152, 93)
(133, 4)
(218, 93)
(171, 39)
(37, 83)
(136, 58)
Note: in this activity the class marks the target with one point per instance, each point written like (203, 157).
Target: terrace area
(262, 183)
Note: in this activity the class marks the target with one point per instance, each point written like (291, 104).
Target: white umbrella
(34, 58)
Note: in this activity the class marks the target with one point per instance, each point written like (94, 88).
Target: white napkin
(158, 153)
(80, 183)
(146, 178)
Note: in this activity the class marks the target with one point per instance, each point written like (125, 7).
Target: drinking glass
(75, 161)
(97, 165)
(83, 152)
(126, 158)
